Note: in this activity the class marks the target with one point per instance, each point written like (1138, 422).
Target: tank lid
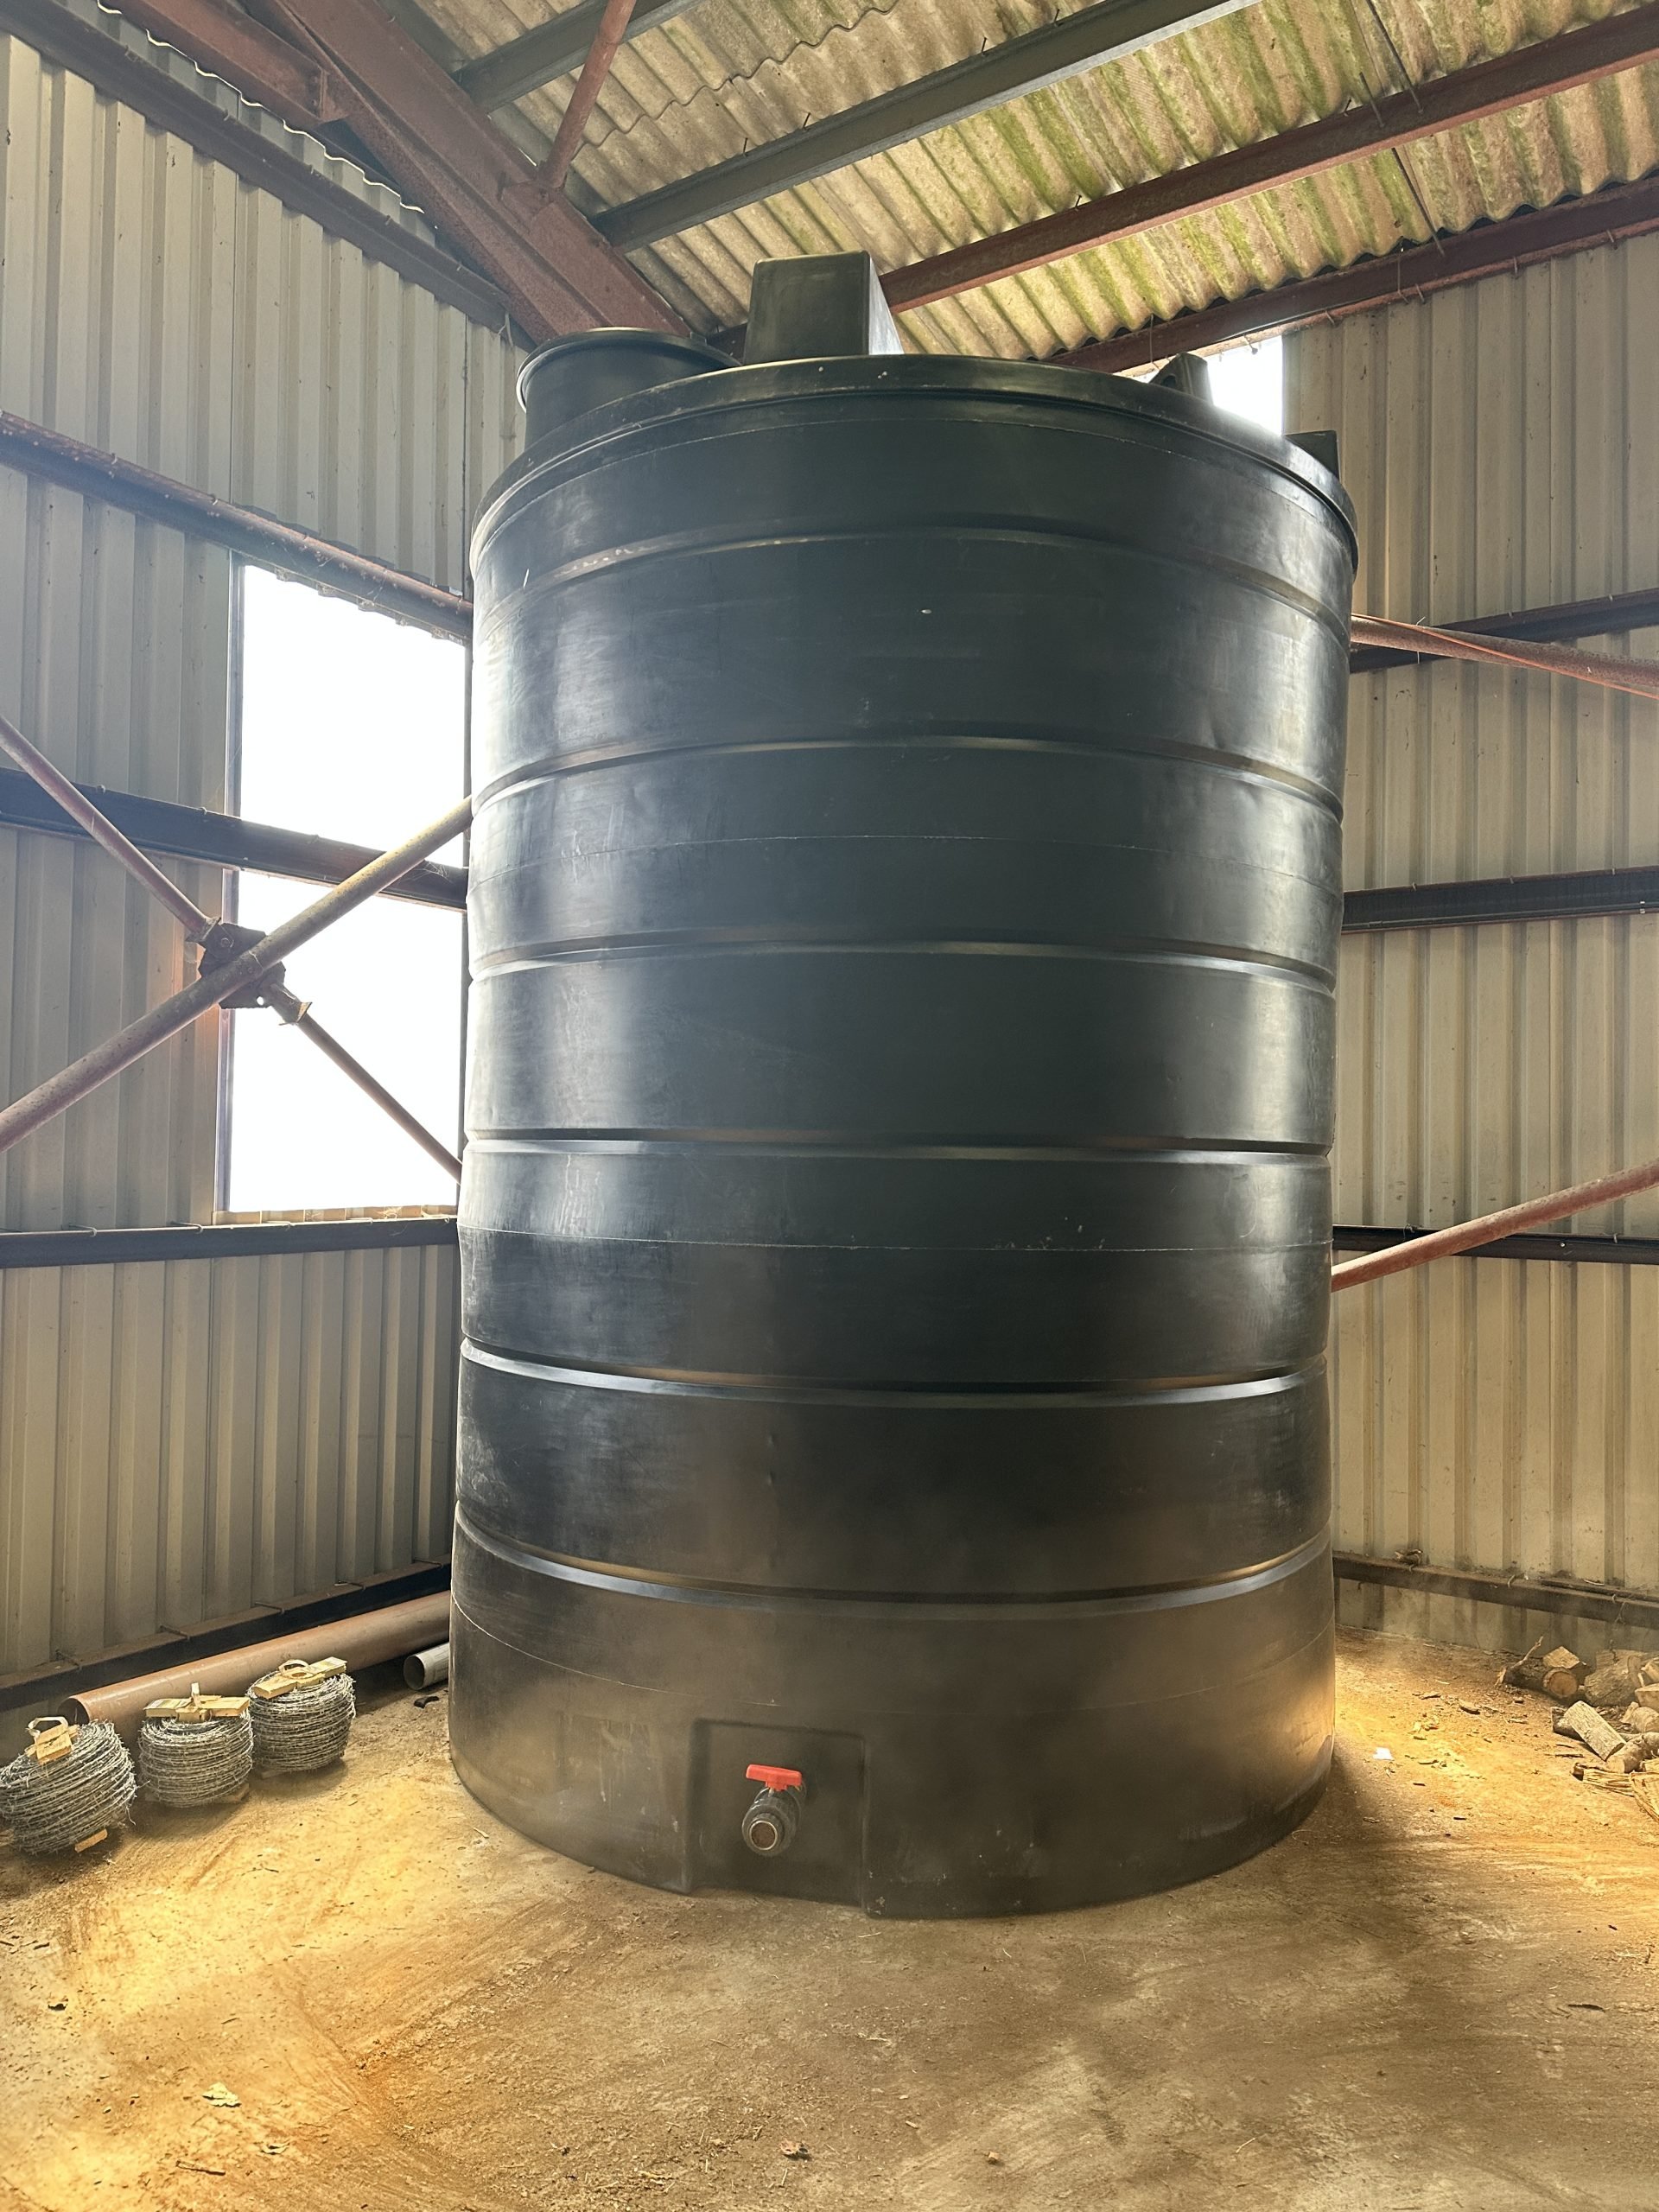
(572, 376)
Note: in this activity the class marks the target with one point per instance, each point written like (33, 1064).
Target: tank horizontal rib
(905, 898)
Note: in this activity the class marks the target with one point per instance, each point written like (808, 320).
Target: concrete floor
(1442, 1993)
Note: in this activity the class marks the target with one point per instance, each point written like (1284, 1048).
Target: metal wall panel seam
(136, 1534)
(32, 1566)
(186, 1444)
(360, 1409)
(235, 1369)
(85, 1463)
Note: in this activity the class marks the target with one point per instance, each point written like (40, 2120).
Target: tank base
(922, 1813)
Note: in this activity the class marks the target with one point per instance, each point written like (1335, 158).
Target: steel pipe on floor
(361, 1640)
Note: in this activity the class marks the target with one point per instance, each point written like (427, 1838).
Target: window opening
(349, 724)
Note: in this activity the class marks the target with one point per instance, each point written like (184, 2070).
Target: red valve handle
(775, 1777)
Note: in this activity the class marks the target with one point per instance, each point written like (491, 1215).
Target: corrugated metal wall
(155, 305)
(183, 1440)
(1499, 441)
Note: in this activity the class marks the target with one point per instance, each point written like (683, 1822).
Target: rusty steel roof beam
(1622, 211)
(244, 54)
(1486, 88)
(317, 62)
(558, 275)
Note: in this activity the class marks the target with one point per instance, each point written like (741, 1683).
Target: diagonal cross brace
(255, 966)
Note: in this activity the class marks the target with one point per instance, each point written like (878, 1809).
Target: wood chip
(1599, 1777)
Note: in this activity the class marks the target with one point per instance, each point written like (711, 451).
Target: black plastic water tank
(905, 903)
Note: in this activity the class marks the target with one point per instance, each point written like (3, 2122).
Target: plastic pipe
(425, 1670)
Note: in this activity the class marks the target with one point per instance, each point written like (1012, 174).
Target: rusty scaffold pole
(240, 966)
(1489, 1228)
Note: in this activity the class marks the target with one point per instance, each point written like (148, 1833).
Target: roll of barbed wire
(64, 1802)
(183, 1762)
(299, 1729)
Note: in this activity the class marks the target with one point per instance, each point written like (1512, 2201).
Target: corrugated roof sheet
(731, 72)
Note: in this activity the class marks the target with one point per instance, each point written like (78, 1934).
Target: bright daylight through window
(352, 725)
(1250, 380)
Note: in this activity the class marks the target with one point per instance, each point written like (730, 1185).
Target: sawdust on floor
(1440, 1993)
